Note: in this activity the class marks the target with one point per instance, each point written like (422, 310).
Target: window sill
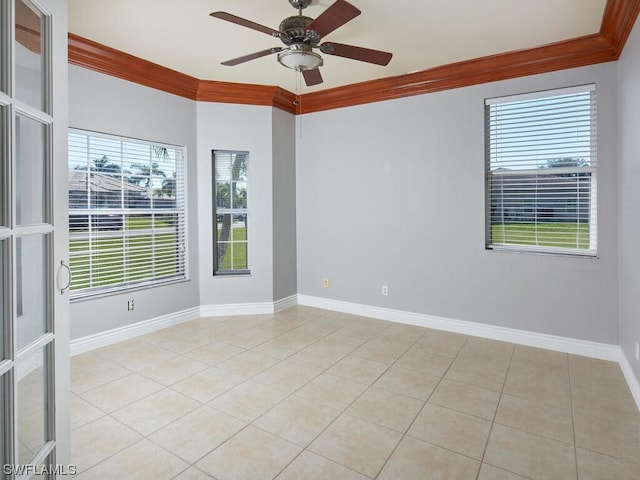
(545, 252)
(243, 273)
(126, 291)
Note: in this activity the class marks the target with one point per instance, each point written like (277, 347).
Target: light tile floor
(310, 394)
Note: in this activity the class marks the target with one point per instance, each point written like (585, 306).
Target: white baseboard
(284, 303)
(551, 342)
(261, 308)
(629, 375)
(109, 337)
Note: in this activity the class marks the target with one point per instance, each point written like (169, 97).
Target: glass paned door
(27, 290)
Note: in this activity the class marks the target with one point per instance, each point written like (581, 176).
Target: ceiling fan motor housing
(294, 30)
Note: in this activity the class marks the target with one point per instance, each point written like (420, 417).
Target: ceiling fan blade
(312, 77)
(252, 56)
(356, 53)
(334, 17)
(245, 23)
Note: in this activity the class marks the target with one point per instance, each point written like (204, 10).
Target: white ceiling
(421, 34)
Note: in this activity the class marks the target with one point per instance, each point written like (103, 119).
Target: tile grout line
(495, 414)
(290, 395)
(573, 418)
(168, 387)
(251, 423)
(406, 432)
(343, 411)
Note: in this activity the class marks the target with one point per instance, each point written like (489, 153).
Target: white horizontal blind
(542, 171)
(126, 213)
(231, 191)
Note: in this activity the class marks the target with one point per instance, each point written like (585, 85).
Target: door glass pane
(30, 71)
(32, 405)
(32, 277)
(4, 61)
(3, 160)
(3, 313)
(3, 420)
(30, 165)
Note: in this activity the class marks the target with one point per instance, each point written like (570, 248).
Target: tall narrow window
(126, 213)
(541, 172)
(231, 213)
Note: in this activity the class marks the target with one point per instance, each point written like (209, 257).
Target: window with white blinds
(541, 171)
(127, 213)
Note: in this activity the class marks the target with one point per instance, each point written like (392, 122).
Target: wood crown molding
(605, 46)
(569, 54)
(617, 22)
(100, 58)
(246, 94)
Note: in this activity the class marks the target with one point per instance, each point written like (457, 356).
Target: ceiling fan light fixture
(300, 57)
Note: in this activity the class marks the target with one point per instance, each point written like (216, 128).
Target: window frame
(217, 271)
(179, 212)
(589, 169)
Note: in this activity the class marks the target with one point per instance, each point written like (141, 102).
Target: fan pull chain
(298, 83)
(298, 102)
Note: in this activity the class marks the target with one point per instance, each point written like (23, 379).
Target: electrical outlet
(638, 351)
(385, 290)
(325, 283)
(130, 305)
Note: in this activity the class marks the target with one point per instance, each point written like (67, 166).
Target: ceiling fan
(302, 34)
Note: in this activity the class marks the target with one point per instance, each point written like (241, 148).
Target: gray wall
(222, 126)
(284, 205)
(629, 119)
(392, 193)
(107, 104)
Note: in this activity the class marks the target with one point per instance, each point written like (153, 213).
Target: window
(230, 254)
(126, 213)
(541, 172)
